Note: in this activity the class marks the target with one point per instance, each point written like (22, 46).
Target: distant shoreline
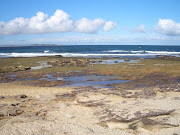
(31, 45)
(76, 45)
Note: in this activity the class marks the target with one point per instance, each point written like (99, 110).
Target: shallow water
(99, 84)
(78, 81)
(115, 61)
(11, 75)
(89, 78)
(92, 81)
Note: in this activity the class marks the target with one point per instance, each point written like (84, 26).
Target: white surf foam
(115, 51)
(46, 51)
(26, 54)
(148, 53)
(137, 51)
(101, 55)
(162, 52)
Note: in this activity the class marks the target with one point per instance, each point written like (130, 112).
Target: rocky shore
(31, 101)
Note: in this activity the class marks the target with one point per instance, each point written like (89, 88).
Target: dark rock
(92, 103)
(27, 68)
(14, 104)
(141, 94)
(23, 96)
(167, 57)
(2, 97)
(146, 121)
(13, 111)
(58, 56)
(133, 126)
(108, 115)
(126, 59)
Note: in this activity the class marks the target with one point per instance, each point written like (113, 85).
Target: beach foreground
(147, 104)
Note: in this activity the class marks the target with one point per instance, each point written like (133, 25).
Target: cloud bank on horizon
(59, 22)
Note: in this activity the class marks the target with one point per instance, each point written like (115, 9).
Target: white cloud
(88, 26)
(140, 29)
(109, 26)
(59, 22)
(168, 27)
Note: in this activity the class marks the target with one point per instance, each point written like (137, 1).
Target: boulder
(13, 68)
(127, 60)
(71, 62)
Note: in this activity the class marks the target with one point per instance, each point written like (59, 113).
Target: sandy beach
(88, 111)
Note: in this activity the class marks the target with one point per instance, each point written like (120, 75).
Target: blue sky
(127, 22)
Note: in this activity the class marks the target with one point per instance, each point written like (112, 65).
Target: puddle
(77, 71)
(92, 81)
(89, 78)
(116, 61)
(141, 86)
(99, 84)
(11, 75)
(29, 76)
(26, 79)
(157, 81)
(50, 77)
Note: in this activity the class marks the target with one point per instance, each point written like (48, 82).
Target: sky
(90, 22)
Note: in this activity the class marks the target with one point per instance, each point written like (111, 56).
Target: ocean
(121, 51)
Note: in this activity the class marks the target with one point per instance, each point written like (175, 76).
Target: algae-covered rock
(13, 68)
(71, 62)
(127, 60)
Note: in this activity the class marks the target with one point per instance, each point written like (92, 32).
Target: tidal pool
(99, 81)
(114, 61)
(87, 81)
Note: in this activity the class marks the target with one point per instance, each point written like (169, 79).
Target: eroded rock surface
(95, 111)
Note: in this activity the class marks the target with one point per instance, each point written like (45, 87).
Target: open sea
(122, 51)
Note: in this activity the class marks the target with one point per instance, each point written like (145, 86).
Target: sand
(7, 89)
(88, 111)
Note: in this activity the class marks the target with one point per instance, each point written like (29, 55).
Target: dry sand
(88, 111)
(7, 89)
